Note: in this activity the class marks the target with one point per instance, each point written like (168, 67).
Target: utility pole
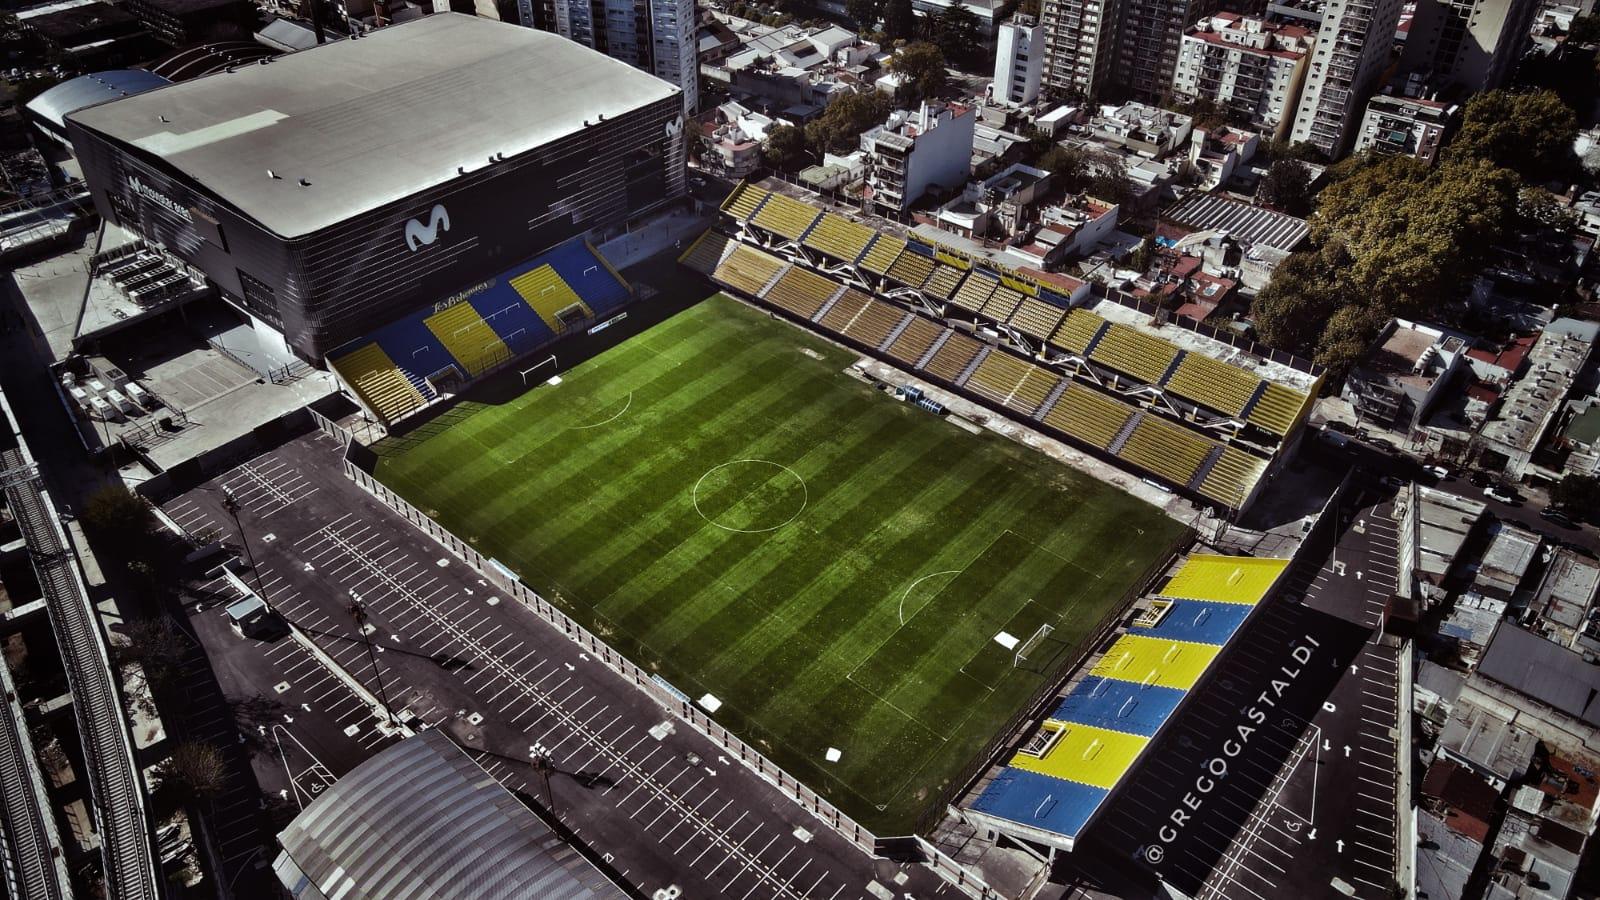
(231, 504)
(544, 766)
(358, 612)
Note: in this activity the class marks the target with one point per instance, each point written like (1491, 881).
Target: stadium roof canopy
(76, 94)
(367, 122)
(421, 819)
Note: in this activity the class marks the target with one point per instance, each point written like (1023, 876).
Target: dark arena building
(335, 191)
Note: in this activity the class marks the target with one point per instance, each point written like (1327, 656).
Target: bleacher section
(942, 283)
(1232, 477)
(1089, 415)
(748, 270)
(839, 237)
(911, 269)
(1171, 451)
(477, 331)
(1001, 304)
(914, 341)
(875, 322)
(1036, 318)
(1132, 352)
(379, 383)
(1279, 409)
(1224, 388)
(469, 338)
(801, 292)
(1077, 331)
(882, 254)
(844, 311)
(953, 357)
(704, 254)
(1061, 775)
(974, 292)
(785, 216)
(744, 200)
(1224, 579)
(1008, 381)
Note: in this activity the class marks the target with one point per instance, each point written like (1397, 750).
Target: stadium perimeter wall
(359, 460)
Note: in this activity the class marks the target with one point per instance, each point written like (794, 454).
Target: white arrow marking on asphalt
(1327, 746)
(1340, 845)
(1354, 668)
(1311, 835)
(1347, 750)
(306, 707)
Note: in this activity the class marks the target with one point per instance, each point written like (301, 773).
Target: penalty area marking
(912, 586)
(619, 413)
(805, 496)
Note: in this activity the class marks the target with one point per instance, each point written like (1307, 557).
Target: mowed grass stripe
(602, 521)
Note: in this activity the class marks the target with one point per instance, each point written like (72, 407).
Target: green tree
(921, 67)
(866, 13)
(785, 149)
(1069, 167)
(899, 20)
(117, 512)
(1143, 254)
(1578, 494)
(1531, 134)
(841, 124)
(1109, 181)
(1287, 186)
(1585, 30)
(1538, 208)
(193, 773)
(955, 31)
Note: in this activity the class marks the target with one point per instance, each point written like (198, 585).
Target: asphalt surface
(656, 800)
(1277, 779)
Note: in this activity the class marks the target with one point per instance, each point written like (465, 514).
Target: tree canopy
(1395, 237)
(922, 66)
(866, 13)
(1287, 186)
(955, 32)
(785, 149)
(899, 20)
(841, 124)
(1531, 134)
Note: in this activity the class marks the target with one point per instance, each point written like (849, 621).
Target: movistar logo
(420, 234)
(158, 198)
(675, 127)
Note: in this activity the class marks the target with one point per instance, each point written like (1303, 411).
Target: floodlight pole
(358, 612)
(231, 504)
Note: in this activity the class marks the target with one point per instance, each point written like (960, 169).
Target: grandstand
(1213, 416)
(402, 367)
(1063, 771)
(1140, 438)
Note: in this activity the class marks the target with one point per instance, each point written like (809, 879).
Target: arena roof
(367, 122)
(76, 94)
(376, 831)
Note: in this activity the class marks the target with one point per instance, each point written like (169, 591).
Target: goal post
(536, 367)
(1033, 641)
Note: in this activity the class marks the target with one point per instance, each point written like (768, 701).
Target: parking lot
(1278, 777)
(655, 799)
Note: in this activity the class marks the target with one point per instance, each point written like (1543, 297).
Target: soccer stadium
(305, 189)
(863, 591)
(1066, 771)
(1178, 405)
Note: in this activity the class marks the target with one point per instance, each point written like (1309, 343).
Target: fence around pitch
(752, 759)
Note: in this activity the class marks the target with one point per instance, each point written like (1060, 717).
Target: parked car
(1439, 472)
(1341, 427)
(1481, 479)
(1557, 515)
(1501, 493)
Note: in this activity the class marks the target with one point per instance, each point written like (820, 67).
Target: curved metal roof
(85, 91)
(422, 819)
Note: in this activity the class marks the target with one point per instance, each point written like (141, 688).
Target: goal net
(1029, 645)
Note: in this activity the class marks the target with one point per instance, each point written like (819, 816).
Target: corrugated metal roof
(1246, 222)
(379, 831)
(85, 91)
(1543, 670)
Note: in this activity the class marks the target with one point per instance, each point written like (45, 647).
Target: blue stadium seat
(415, 349)
(587, 274)
(1118, 705)
(1039, 801)
(1199, 621)
(512, 319)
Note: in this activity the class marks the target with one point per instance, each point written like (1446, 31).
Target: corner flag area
(860, 586)
(1061, 776)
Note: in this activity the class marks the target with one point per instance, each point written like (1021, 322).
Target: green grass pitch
(718, 499)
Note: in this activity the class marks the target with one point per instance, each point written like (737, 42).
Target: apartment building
(1406, 126)
(1250, 66)
(657, 36)
(1354, 42)
(915, 151)
(1080, 38)
(1018, 62)
(1472, 44)
(1150, 40)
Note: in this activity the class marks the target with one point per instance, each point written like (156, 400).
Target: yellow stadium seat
(914, 341)
(785, 216)
(549, 294)
(1088, 415)
(1232, 477)
(744, 200)
(380, 384)
(1132, 352)
(953, 357)
(1169, 450)
(839, 237)
(704, 254)
(1279, 409)
(1213, 384)
(882, 254)
(748, 270)
(1225, 579)
(801, 291)
(1077, 331)
(468, 338)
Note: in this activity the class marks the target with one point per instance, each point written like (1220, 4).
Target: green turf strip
(717, 499)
